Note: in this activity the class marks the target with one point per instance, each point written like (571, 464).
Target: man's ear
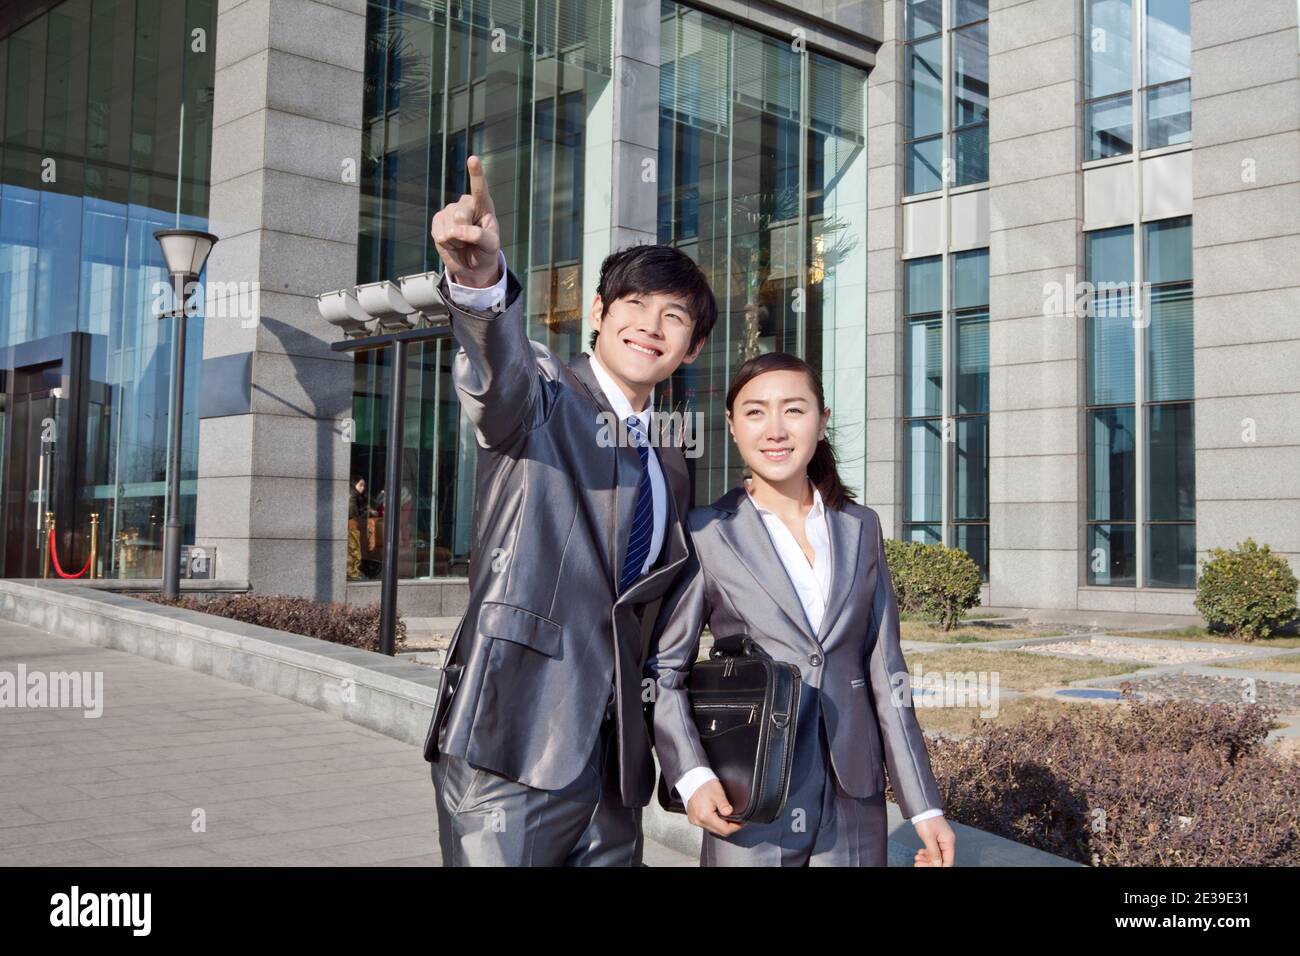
(595, 314)
(694, 353)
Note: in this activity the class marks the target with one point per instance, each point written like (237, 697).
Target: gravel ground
(1227, 690)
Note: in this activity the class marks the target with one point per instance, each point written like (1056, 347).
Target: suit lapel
(748, 538)
(846, 541)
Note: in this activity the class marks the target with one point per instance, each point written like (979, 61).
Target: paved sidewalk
(273, 782)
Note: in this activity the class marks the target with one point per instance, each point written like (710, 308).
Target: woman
(791, 560)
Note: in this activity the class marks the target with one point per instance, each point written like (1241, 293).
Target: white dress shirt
(482, 299)
(812, 583)
(469, 297)
(658, 488)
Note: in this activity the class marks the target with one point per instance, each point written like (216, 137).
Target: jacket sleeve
(495, 370)
(683, 615)
(905, 752)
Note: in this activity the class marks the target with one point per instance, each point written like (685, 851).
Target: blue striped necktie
(643, 522)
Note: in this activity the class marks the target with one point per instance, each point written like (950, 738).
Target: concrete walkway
(186, 769)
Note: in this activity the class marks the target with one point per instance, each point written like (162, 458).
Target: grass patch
(1289, 664)
(964, 720)
(971, 614)
(922, 630)
(1204, 634)
(1017, 670)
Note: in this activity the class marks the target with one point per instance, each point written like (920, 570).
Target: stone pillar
(1036, 361)
(273, 463)
(1246, 274)
(884, 465)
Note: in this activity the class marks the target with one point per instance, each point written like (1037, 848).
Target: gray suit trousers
(821, 826)
(487, 820)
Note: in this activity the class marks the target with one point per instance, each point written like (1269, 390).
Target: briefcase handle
(735, 645)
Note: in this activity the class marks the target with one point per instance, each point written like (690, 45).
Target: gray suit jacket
(734, 582)
(546, 635)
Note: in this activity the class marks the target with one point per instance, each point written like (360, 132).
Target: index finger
(478, 187)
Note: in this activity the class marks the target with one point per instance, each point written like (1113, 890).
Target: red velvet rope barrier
(54, 554)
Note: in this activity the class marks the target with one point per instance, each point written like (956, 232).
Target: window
(946, 416)
(1147, 540)
(964, 87)
(1163, 29)
(923, 401)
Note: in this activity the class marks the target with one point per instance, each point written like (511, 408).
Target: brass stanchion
(94, 541)
(49, 533)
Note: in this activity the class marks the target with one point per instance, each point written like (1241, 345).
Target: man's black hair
(647, 269)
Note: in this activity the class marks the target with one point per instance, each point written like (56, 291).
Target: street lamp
(185, 251)
(389, 314)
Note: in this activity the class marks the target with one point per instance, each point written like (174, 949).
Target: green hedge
(933, 580)
(1247, 591)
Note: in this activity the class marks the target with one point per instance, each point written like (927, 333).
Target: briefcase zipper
(713, 724)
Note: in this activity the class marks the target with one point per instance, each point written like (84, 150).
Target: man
(539, 741)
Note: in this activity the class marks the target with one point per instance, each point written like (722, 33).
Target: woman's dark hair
(647, 269)
(822, 468)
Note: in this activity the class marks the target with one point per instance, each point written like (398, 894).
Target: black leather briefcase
(746, 708)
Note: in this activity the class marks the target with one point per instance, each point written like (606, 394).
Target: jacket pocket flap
(508, 623)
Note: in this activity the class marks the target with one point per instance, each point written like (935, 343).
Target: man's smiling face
(644, 337)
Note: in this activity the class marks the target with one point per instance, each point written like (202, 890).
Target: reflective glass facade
(93, 150)
(761, 179)
(522, 85)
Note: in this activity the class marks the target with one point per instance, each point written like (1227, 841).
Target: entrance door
(31, 429)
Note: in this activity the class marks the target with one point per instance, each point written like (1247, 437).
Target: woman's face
(776, 424)
(361, 486)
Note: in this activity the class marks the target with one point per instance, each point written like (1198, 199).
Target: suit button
(815, 660)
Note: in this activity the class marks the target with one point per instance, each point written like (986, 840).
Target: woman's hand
(940, 843)
(708, 805)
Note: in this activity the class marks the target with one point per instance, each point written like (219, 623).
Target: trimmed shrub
(1247, 591)
(900, 555)
(330, 621)
(934, 580)
(1161, 783)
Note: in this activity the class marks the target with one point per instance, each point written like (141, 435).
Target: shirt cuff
(692, 780)
(468, 297)
(926, 814)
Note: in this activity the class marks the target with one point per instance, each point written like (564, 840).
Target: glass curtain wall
(762, 181)
(523, 84)
(91, 155)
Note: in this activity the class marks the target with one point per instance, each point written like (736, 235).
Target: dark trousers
(487, 820)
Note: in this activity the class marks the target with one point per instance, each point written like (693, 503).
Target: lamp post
(185, 251)
(382, 315)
